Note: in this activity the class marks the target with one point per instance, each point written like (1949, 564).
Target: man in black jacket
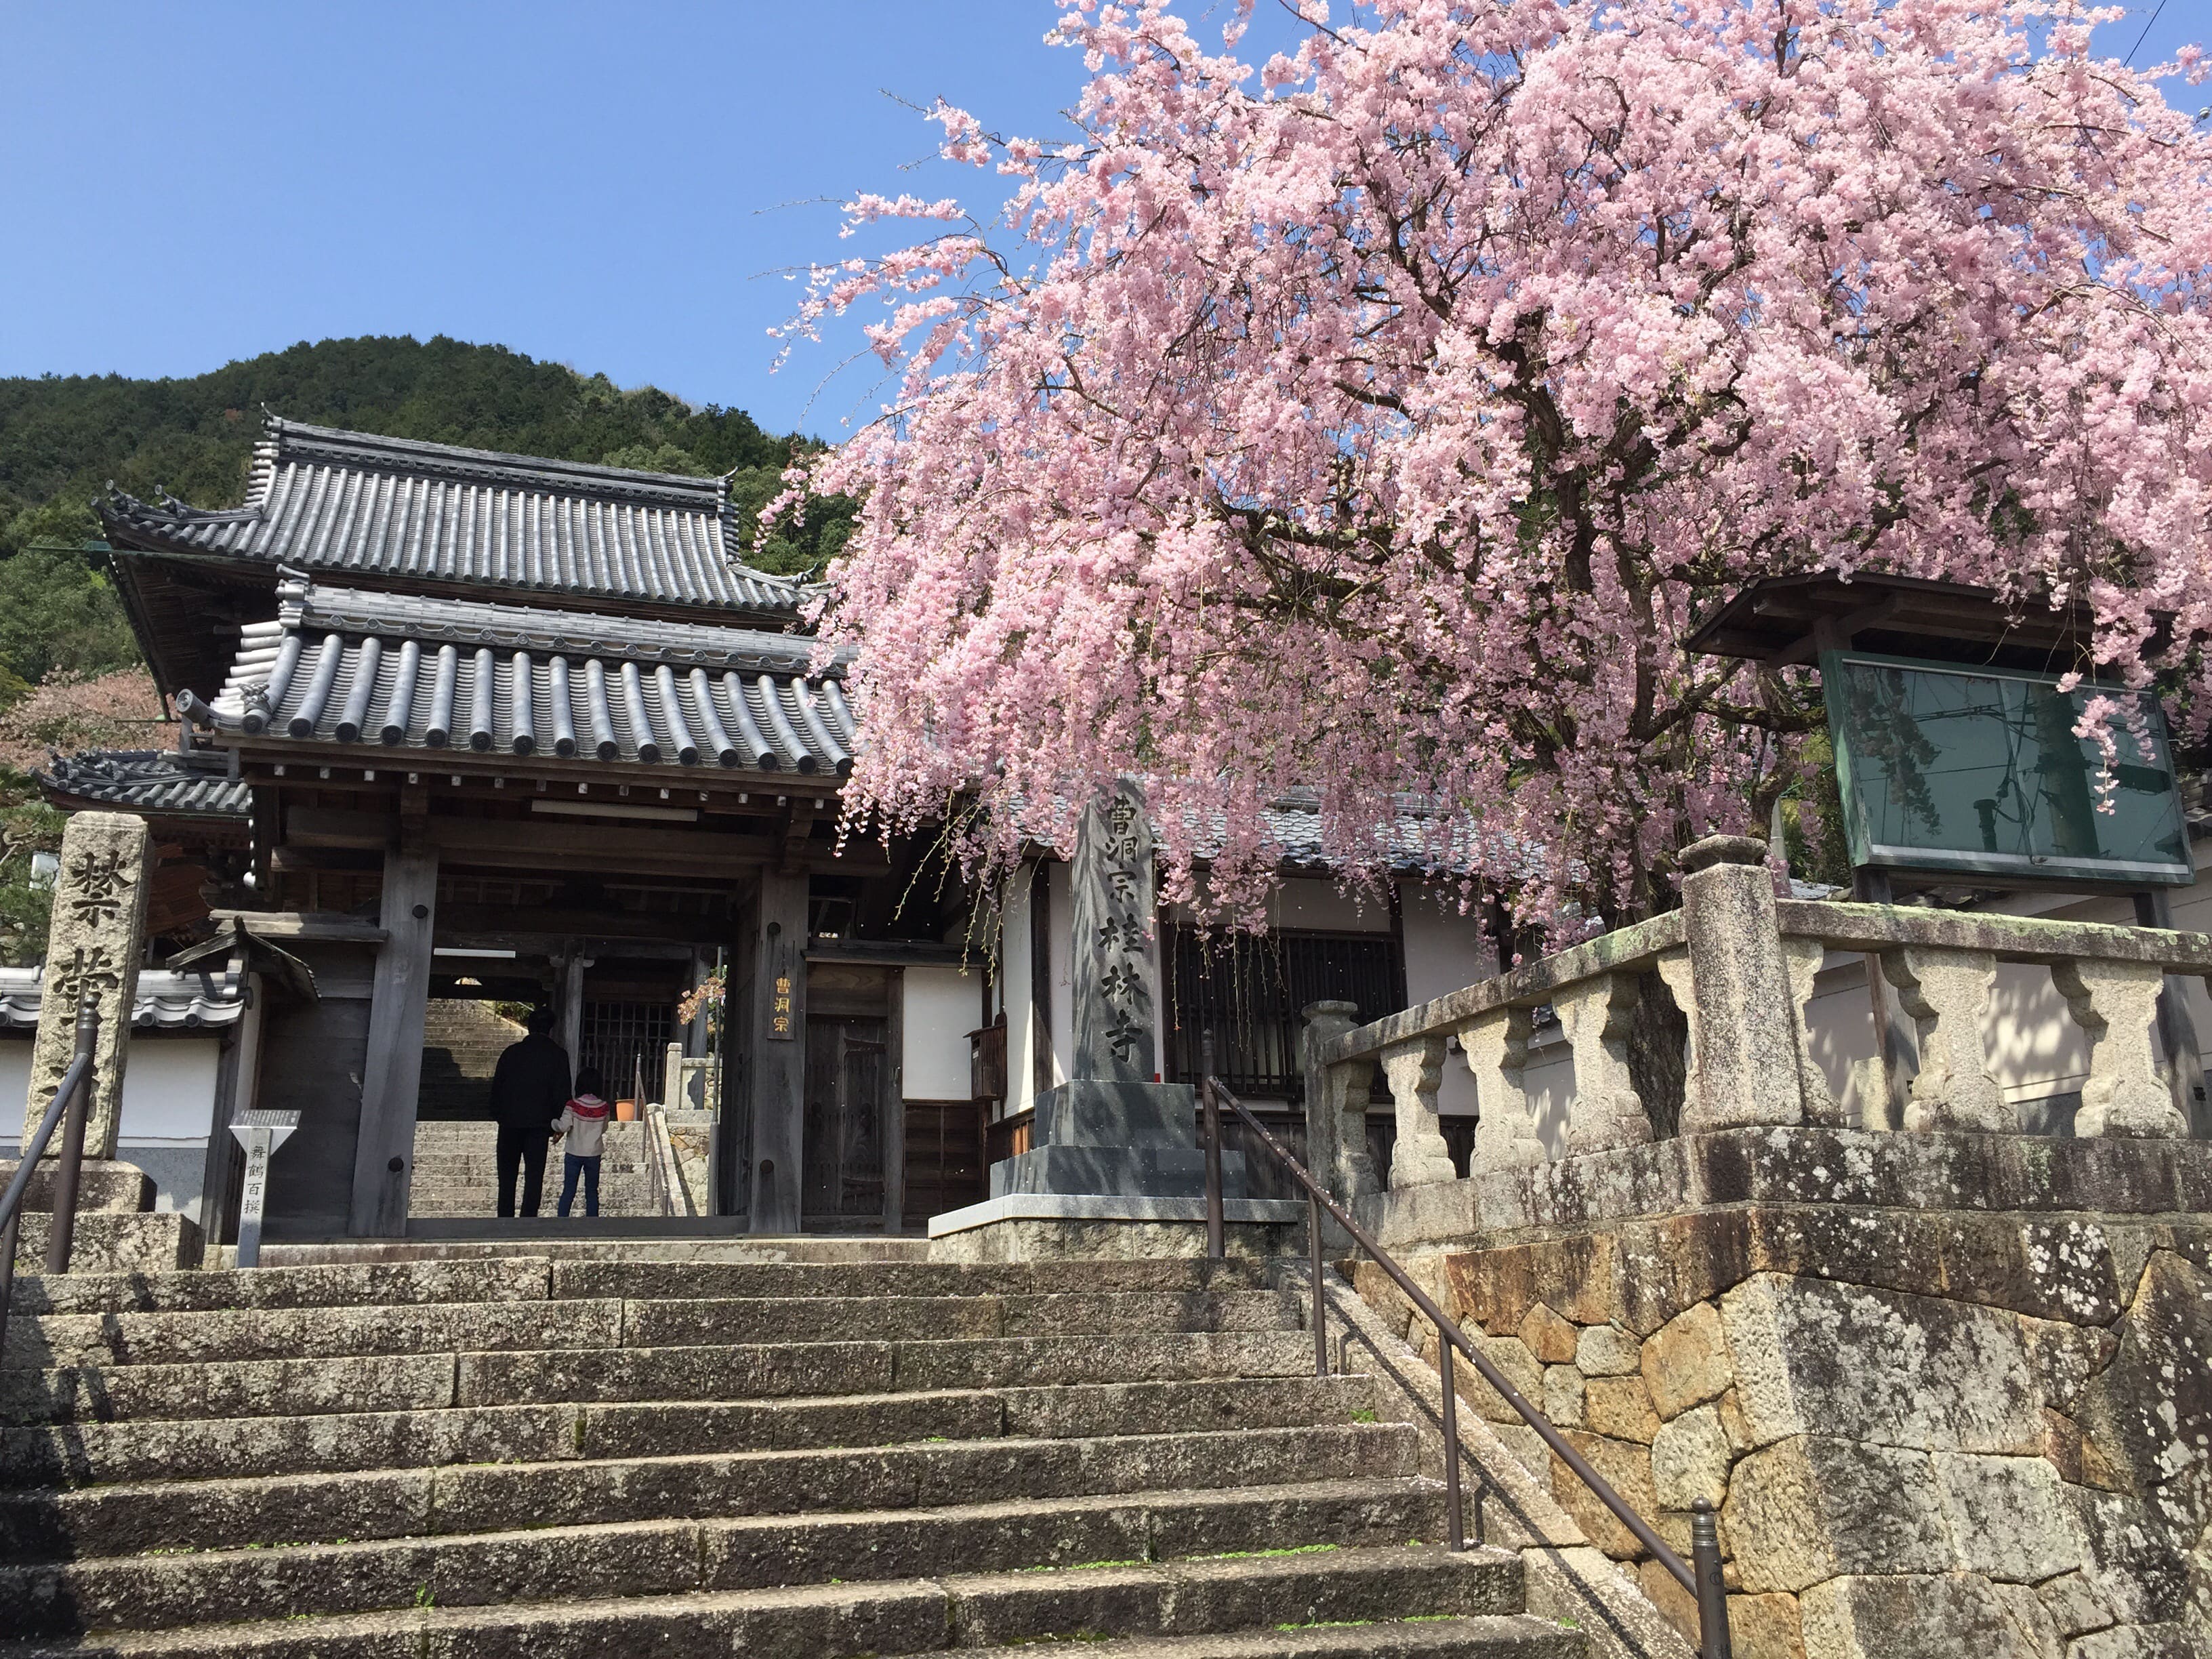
(528, 1088)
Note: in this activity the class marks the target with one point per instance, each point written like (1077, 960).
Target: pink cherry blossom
(1375, 420)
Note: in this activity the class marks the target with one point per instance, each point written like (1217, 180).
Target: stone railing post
(1803, 957)
(1607, 1112)
(1415, 1071)
(1336, 1106)
(1946, 996)
(2116, 1006)
(1746, 1020)
(1496, 1045)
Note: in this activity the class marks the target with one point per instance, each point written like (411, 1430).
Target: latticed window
(627, 1043)
(1249, 992)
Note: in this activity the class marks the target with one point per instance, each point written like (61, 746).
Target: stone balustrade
(1738, 966)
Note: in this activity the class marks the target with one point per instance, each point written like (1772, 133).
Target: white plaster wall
(941, 1008)
(15, 1085)
(168, 1088)
(1445, 953)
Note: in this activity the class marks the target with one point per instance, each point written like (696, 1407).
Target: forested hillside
(68, 667)
(62, 437)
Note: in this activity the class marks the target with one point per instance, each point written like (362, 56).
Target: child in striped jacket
(583, 1121)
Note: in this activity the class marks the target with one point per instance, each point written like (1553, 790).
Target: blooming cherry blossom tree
(1374, 421)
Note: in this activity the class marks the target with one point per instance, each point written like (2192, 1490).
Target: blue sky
(603, 184)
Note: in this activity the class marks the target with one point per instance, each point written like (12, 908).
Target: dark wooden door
(844, 1148)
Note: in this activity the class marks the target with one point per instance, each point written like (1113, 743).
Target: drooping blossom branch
(1374, 420)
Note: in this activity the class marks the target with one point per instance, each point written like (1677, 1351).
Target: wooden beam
(384, 1154)
(610, 844)
(484, 926)
(325, 826)
(285, 859)
(549, 947)
(614, 849)
(518, 775)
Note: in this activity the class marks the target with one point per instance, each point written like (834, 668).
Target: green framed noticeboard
(1956, 770)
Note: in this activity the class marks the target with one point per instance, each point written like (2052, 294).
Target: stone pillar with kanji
(93, 945)
(1113, 1129)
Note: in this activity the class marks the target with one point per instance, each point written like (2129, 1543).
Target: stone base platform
(117, 1231)
(1058, 1226)
(102, 1184)
(112, 1241)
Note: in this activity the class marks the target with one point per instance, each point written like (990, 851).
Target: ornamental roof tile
(156, 782)
(351, 502)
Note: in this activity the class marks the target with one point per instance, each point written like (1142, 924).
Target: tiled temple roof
(352, 504)
(341, 666)
(155, 782)
(169, 999)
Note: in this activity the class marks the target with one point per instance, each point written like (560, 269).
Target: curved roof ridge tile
(403, 507)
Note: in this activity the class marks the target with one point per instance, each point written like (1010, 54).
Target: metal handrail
(1704, 1581)
(71, 1100)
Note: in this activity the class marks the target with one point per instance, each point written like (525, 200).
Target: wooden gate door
(845, 1095)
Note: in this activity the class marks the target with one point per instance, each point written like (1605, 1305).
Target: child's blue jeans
(571, 1167)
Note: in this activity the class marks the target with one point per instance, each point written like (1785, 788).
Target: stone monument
(94, 944)
(1113, 1129)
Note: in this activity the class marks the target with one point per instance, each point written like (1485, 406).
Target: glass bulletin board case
(1952, 770)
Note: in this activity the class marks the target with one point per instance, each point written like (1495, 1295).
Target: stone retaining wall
(1952, 1394)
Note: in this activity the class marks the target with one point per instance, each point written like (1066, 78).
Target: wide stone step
(793, 1319)
(125, 1519)
(291, 1387)
(616, 1274)
(688, 1244)
(51, 1341)
(681, 1555)
(1258, 1595)
(816, 1368)
(602, 1270)
(1479, 1636)
(80, 1454)
(507, 1279)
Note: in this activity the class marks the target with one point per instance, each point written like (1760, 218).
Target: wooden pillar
(776, 1080)
(384, 1155)
(894, 1135)
(237, 1081)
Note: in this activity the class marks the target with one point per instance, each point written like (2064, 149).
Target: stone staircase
(462, 1041)
(456, 1172)
(495, 1455)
